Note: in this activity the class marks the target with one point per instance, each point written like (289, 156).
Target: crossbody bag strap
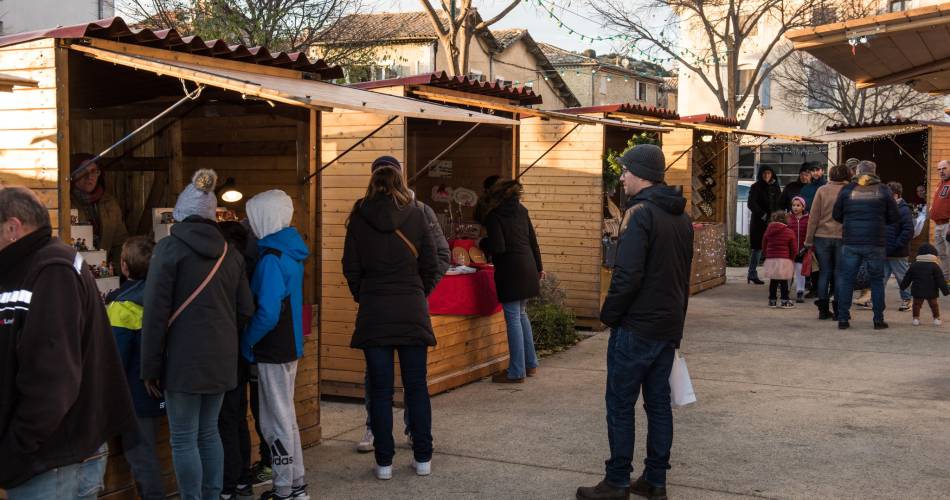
(194, 295)
(412, 248)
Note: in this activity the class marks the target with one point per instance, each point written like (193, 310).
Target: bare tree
(456, 26)
(730, 38)
(810, 86)
(289, 25)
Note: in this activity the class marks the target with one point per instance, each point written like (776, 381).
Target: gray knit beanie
(199, 197)
(645, 161)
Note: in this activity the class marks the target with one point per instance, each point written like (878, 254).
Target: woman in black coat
(513, 246)
(765, 197)
(390, 264)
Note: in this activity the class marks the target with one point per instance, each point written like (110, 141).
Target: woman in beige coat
(824, 235)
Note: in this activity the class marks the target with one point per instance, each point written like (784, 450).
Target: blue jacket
(275, 332)
(809, 190)
(900, 234)
(865, 208)
(125, 315)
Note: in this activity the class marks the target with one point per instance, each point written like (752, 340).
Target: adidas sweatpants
(279, 424)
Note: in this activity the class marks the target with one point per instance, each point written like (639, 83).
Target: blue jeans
(196, 444)
(897, 266)
(82, 481)
(828, 251)
(851, 258)
(520, 339)
(144, 462)
(366, 390)
(635, 363)
(380, 367)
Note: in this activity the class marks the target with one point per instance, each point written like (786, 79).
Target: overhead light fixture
(706, 138)
(229, 195)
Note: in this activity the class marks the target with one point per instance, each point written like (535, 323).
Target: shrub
(551, 322)
(737, 251)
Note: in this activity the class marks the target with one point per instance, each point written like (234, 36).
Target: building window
(603, 85)
(641, 91)
(744, 84)
(765, 88)
(898, 5)
(820, 77)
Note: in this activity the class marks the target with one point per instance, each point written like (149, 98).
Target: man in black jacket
(645, 309)
(63, 392)
(864, 208)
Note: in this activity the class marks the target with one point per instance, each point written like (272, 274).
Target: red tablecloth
(466, 295)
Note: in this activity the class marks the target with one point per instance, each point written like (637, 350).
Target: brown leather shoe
(532, 371)
(502, 378)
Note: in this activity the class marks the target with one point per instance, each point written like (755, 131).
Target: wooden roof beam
(842, 32)
(908, 74)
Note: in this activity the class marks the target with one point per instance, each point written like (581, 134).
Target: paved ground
(788, 408)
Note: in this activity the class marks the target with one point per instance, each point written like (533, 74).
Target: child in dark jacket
(925, 280)
(779, 245)
(798, 223)
(125, 312)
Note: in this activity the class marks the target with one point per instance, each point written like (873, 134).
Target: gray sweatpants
(279, 424)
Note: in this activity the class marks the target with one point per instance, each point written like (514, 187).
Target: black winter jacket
(925, 278)
(513, 247)
(63, 392)
(865, 208)
(898, 236)
(198, 352)
(438, 237)
(792, 189)
(649, 290)
(764, 198)
(388, 282)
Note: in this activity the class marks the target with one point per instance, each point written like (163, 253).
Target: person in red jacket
(779, 244)
(940, 214)
(798, 222)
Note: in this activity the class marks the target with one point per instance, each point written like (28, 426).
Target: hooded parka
(764, 198)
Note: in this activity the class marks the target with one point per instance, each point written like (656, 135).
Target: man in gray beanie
(645, 309)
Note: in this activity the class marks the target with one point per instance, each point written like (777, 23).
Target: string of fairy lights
(630, 42)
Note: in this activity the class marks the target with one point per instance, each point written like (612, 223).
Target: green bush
(553, 326)
(551, 322)
(737, 251)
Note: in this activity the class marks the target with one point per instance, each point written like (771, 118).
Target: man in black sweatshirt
(645, 309)
(63, 391)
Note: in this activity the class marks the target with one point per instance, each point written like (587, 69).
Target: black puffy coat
(764, 198)
(198, 352)
(386, 279)
(649, 289)
(925, 278)
(898, 235)
(513, 247)
(865, 208)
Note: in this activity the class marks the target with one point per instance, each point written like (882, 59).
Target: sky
(527, 15)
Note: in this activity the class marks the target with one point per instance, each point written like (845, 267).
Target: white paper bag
(681, 387)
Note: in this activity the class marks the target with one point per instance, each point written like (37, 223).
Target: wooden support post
(176, 165)
(62, 139)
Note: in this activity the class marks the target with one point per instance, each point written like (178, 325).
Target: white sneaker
(422, 468)
(916, 322)
(366, 444)
(383, 473)
(937, 322)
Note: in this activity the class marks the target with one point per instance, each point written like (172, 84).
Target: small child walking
(798, 223)
(779, 245)
(925, 280)
(125, 310)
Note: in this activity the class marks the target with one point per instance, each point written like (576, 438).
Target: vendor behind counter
(96, 206)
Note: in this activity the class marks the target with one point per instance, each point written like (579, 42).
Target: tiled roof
(627, 108)
(508, 36)
(387, 27)
(635, 67)
(872, 124)
(523, 95)
(559, 56)
(711, 119)
(117, 30)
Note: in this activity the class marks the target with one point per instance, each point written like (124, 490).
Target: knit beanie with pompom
(199, 197)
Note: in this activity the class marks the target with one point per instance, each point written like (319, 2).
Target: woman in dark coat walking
(390, 264)
(765, 197)
(513, 246)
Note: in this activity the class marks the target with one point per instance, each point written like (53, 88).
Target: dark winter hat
(645, 161)
(385, 161)
(926, 249)
(79, 164)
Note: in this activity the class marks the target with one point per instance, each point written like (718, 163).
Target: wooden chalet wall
(564, 195)
(341, 184)
(675, 143)
(28, 124)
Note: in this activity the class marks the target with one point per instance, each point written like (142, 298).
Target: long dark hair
(387, 181)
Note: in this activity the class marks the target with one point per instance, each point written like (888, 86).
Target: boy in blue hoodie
(274, 337)
(125, 310)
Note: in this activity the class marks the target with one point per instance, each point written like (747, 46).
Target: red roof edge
(628, 108)
(523, 95)
(887, 122)
(116, 29)
(712, 119)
